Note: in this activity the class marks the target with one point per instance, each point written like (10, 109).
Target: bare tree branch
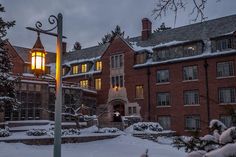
(165, 6)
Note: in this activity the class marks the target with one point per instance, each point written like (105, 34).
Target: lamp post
(38, 66)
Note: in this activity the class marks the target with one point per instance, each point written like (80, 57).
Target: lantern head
(38, 58)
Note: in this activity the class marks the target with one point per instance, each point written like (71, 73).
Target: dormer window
(84, 68)
(98, 66)
(223, 44)
(140, 58)
(75, 69)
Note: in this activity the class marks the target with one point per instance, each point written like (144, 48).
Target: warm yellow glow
(75, 69)
(84, 83)
(98, 65)
(38, 61)
(98, 84)
(84, 68)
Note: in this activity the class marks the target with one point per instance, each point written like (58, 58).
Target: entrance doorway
(118, 111)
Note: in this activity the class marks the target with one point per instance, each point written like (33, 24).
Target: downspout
(149, 104)
(207, 90)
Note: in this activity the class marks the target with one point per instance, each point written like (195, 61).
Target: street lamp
(38, 57)
(38, 64)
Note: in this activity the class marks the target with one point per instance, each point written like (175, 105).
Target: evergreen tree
(162, 28)
(109, 37)
(7, 91)
(77, 46)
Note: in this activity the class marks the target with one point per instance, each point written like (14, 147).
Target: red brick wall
(18, 63)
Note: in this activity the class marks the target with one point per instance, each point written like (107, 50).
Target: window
(84, 83)
(84, 68)
(117, 61)
(225, 69)
(223, 44)
(23, 86)
(192, 122)
(117, 81)
(132, 110)
(190, 73)
(227, 95)
(75, 69)
(37, 87)
(140, 58)
(190, 50)
(165, 122)
(98, 84)
(163, 99)
(162, 76)
(227, 120)
(63, 71)
(139, 92)
(98, 66)
(31, 87)
(191, 97)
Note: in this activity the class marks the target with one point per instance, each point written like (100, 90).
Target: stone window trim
(227, 95)
(231, 72)
(185, 97)
(190, 70)
(166, 76)
(196, 121)
(117, 61)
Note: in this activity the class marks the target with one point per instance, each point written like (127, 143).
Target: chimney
(146, 28)
(63, 47)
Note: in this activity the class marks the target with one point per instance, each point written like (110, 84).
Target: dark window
(227, 95)
(191, 97)
(162, 76)
(190, 73)
(225, 69)
(192, 122)
(163, 99)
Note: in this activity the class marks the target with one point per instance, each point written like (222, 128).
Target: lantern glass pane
(33, 62)
(38, 62)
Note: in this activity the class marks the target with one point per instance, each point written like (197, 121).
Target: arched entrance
(118, 110)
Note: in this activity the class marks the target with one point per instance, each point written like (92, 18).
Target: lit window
(98, 65)
(163, 99)
(162, 76)
(84, 68)
(98, 84)
(84, 83)
(75, 69)
(192, 122)
(139, 92)
(63, 71)
(227, 95)
(165, 122)
(225, 69)
(190, 73)
(191, 97)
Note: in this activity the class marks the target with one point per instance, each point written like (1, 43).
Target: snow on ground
(122, 146)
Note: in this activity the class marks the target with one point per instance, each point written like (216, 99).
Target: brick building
(180, 77)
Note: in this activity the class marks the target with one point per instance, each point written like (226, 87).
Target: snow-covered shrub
(4, 132)
(69, 132)
(66, 132)
(198, 153)
(220, 143)
(228, 136)
(36, 132)
(228, 150)
(217, 125)
(107, 130)
(147, 126)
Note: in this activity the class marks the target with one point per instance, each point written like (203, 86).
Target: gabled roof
(85, 54)
(24, 53)
(198, 31)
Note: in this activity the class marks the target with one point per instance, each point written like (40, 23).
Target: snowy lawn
(122, 146)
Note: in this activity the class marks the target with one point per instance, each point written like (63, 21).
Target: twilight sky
(87, 21)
